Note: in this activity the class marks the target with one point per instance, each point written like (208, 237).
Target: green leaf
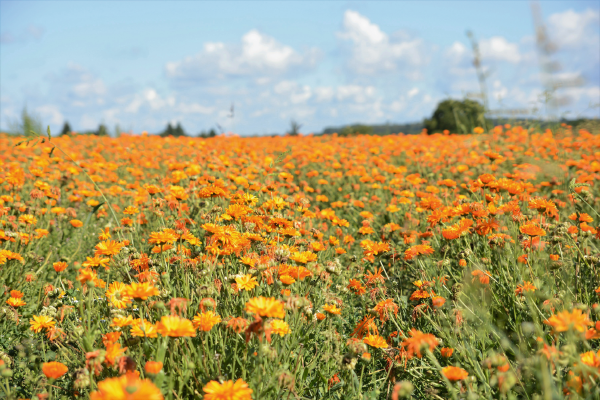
(49, 135)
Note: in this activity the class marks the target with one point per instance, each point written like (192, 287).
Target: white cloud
(413, 92)
(195, 108)
(50, 114)
(570, 29)
(357, 93)
(257, 55)
(372, 50)
(497, 48)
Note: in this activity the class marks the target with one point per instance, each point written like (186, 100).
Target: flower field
(365, 267)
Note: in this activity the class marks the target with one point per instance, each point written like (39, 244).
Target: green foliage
(66, 129)
(29, 122)
(358, 129)
(456, 116)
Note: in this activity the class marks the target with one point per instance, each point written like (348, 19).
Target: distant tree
(29, 122)
(66, 129)
(179, 130)
(294, 128)
(357, 129)
(212, 132)
(102, 130)
(456, 116)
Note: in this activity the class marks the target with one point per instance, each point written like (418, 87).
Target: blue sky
(143, 64)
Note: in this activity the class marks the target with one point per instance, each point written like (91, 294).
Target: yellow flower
(41, 322)
(280, 327)
(175, 326)
(375, 341)
(246, 282)
(227, 390)
(205, 321)
(116, 295)
(143, 329)
(265, 307)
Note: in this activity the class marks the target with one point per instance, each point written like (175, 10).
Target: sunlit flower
(227, 390)
(206, 320)
(174, 326)
(279, 327)
(265, 307)
(127, 387)
(246, 282)
(454, 373)
(41, 322)
(375, 341)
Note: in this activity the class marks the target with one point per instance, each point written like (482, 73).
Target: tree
(358, 129)
(179, 130)
(66, 129)
(456, 116)
(102, 130)
(294, 128)
(29, 122)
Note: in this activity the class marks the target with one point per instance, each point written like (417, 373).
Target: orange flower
(385, 308)
(332, 309)
(54, 369)
(127, 387)
(17, 294)
(41, 322)
(279, 327)
(565, 320)
(375, 341)
(246, 282)
(418, 341)
(525, 287)
(447, 352)
(143, 328)
(227, 390)
(286, 279)
(532, 230)
(108, 248)
(174, 326)
(454, 373)
(76, 223)
(140, 291)
(265, 307)
(15, 302)
(59, 266)
(206, 321)
(417, 250)
(153, 367)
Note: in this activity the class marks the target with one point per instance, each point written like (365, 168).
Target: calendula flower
(122, 321)
(143, 328)
(332, 309)
(279, 327)
(532, 230)
(246, 282)
(54, 369)
(421, 249)
(418, 341)
(565, 320)
(127, 387)
(265, 307)
(375, 341)
(206, 320)
(108, 248)
(153, 367)
(454, 373)
(59, 266)
(41, 322)
(15, 302)
(174, 326)
(227, 390)
(116, 295)
(141, 291)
